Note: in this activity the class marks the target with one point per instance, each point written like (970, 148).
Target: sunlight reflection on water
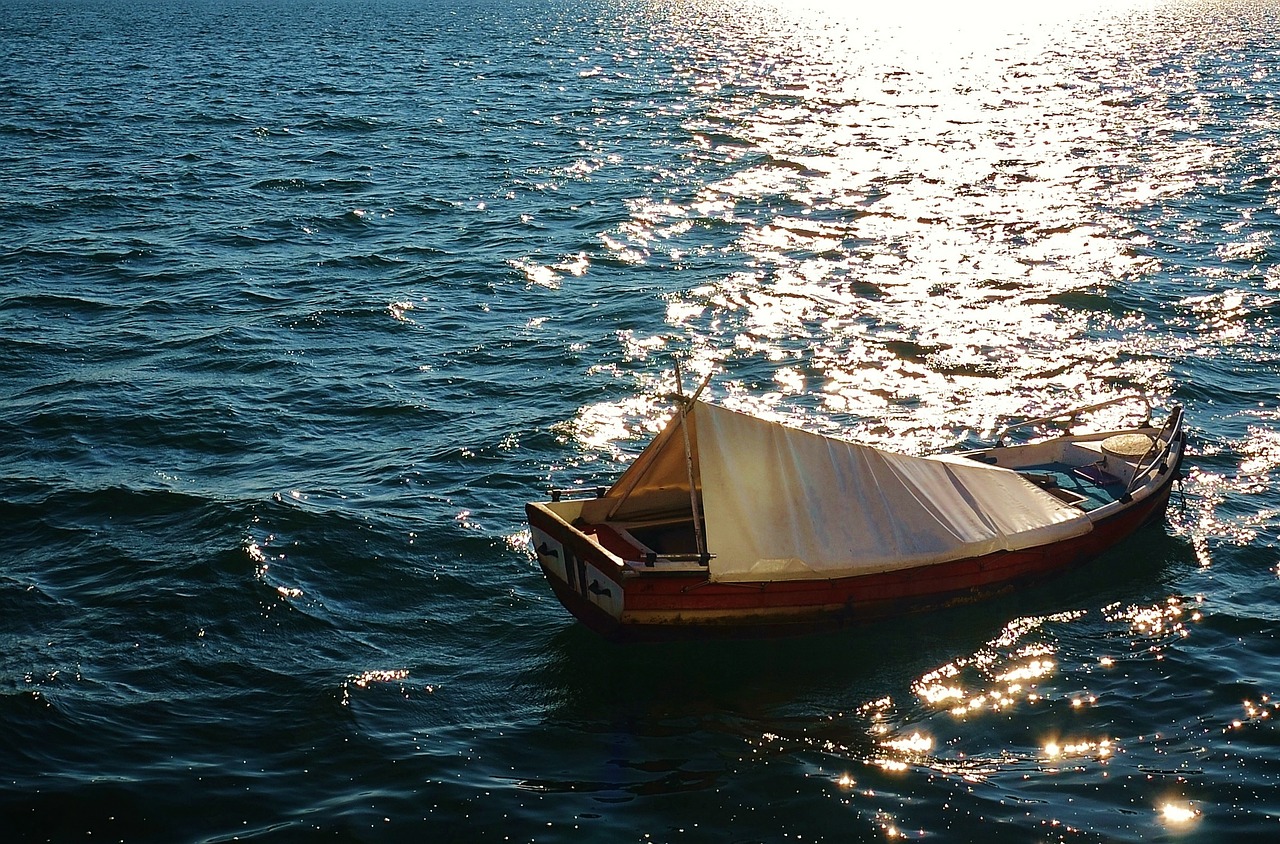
(930, 219)
(913, 190)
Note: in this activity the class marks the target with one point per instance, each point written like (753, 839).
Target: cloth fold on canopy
(781, 503)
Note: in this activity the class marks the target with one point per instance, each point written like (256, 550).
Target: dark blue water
(301, 301)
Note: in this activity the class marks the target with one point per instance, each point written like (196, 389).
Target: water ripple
(289, 335)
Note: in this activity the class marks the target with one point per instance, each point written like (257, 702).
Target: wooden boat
(731, 524)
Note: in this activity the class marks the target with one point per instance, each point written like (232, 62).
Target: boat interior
(673, 536)
(1085, 473)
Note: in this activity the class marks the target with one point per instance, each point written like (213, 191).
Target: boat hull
(605, 584)
(620, 603)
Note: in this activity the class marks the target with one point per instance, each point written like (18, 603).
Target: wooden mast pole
(688, 463)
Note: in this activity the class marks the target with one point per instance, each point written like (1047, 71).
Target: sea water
(301, 301)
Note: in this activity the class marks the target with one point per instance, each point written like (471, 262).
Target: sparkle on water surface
(925, 186)
(938, 197)
(903, 223)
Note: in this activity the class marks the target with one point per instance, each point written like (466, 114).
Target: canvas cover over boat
(784, 504)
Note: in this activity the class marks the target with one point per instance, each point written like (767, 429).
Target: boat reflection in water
(731, 524)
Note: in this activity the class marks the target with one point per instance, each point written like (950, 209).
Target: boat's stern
(585, 576)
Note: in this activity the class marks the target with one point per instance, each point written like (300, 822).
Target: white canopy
(780, 503)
